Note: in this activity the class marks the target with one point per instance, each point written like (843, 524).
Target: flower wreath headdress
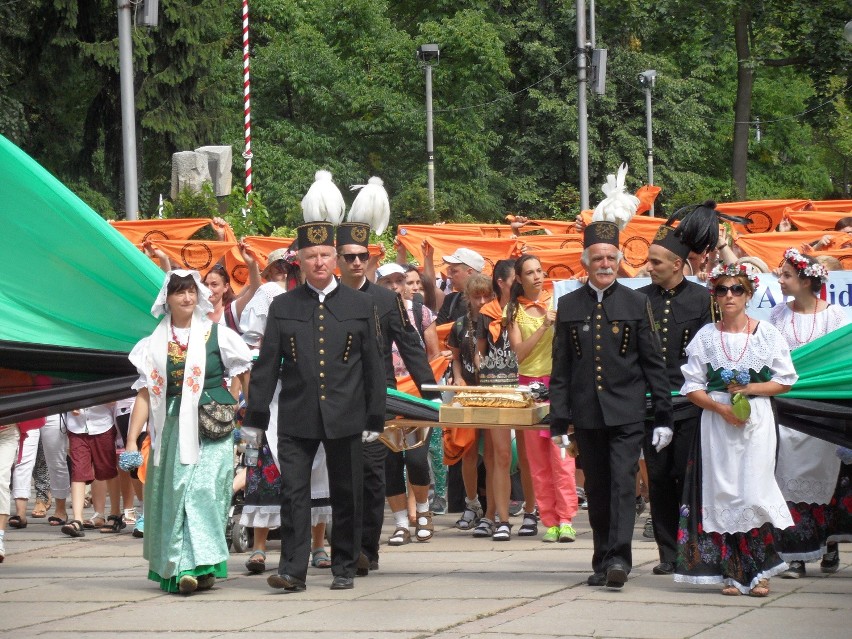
(798, 261)
(732, 270)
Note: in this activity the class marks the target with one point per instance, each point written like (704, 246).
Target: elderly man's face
(603, 264)
(318, 265)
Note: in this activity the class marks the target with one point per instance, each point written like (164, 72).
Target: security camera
(427, 53)
(646, 78)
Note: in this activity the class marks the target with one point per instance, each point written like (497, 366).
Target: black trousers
(610, 462)
(666, 472)
(345, 478)
(374, 498)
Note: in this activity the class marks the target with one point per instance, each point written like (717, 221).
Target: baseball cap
(389, 269)
(466, 256)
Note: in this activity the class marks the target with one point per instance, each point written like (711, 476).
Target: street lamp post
(128, 111)
(429, 54)
(646, 79)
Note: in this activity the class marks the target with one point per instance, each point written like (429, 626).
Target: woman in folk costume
(732, 501)
(262, 508)
(530, 317)
(182, 365)
(807, 468)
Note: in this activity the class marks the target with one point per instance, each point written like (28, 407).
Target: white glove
(368, 436)
(561, 440)
(662, 437)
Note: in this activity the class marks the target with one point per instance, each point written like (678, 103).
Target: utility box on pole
(150, 13)
(597, 74)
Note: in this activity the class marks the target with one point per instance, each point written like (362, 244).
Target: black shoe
(597, 579)
(796, 570)
(831, 559)
(362, 567)
(286, 582)
(664, 568)
(648, 530)
(616, 576)
(342, 583)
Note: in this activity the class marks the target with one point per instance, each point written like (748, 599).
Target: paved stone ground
(454, 587)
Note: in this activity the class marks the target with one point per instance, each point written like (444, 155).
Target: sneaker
(581, 498)
(796, 570)
(139, 528)
(831, 559)
(648, 531)
(552, 534)
(2, 550)
(438, 505)
(566, 533)
(640, 505)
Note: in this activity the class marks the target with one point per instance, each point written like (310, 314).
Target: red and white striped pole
(247, 104)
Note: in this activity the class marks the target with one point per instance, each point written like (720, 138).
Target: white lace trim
(827, 320)
(814, 555)
(728, 581)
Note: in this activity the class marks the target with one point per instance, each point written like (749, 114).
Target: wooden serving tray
(489, 415)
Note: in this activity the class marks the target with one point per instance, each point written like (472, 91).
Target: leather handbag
(215, 420)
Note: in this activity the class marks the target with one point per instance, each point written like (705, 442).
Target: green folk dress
(186, 505)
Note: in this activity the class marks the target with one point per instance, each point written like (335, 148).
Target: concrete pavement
(454, 587)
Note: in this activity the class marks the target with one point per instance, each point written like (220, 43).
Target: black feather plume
(699, 228)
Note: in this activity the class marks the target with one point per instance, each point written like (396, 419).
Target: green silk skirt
(186, 508)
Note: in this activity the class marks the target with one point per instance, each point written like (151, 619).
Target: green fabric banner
(68, 277)
(824, 367)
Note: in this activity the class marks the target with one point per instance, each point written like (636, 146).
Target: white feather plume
(371, 206)
(618, 206)
(323, 202)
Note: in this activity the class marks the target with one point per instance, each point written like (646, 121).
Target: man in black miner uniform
(680, 308)
(352, 257)
(606, 352)
(332, 392)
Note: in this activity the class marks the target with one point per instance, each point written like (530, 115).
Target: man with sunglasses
(680, 309)
(352, 257)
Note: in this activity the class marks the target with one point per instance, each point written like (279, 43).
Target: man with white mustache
(606, 354)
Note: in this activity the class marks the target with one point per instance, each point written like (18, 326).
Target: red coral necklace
(181, 346)
(793, 323)
(725, 348)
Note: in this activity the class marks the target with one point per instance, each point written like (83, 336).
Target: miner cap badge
(600, 233)
(315, 234)
(353, 233)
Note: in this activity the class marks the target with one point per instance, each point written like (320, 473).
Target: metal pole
(247, 154)
(583, 122)
(650, 136)
(430, 145)
(592, 37)
(128, 113)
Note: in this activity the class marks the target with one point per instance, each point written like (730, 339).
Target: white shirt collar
(600, 291)
(328, 289)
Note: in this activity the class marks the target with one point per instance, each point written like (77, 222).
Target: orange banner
(536, 243)
(646, 194)
(561, 264)
(198, 255)
(765, 215)
(446, 242)
(406, 384)
(443, 331)
(137, 231)
(831, 205)
(844, 255)
(559, 227)
(815, 220)
(770, 247)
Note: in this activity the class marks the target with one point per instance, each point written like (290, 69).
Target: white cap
(389, 269)
(466, 256)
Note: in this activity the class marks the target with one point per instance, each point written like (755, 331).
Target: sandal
(256, 563)
(761, 589)
(731, 591)
(320, 558)
(425, 527)
(116, 526)
(92, 522)
(56, 521)
(130, 516)
(73, 528)
(485, 528)
(503, 532)
(400, 537)
(529, 527)
(16, 522)
(468, 519)
(40, 510)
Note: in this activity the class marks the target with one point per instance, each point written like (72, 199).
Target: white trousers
(55, 444)
(8, 452)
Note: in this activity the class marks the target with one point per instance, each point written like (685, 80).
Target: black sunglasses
(351, 257)
(737, 290)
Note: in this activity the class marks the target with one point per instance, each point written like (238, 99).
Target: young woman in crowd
(189, 477)
(807, 467)
(733, 503)
(530, 316)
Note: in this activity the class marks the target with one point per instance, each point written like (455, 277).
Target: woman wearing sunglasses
(807, 468)
(732, 502)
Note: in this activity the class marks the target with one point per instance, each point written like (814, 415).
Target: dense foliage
(335, 84)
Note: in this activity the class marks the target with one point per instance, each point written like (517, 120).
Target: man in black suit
(352, 256)
(322, 343)
(606, 352)
(680, 308)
